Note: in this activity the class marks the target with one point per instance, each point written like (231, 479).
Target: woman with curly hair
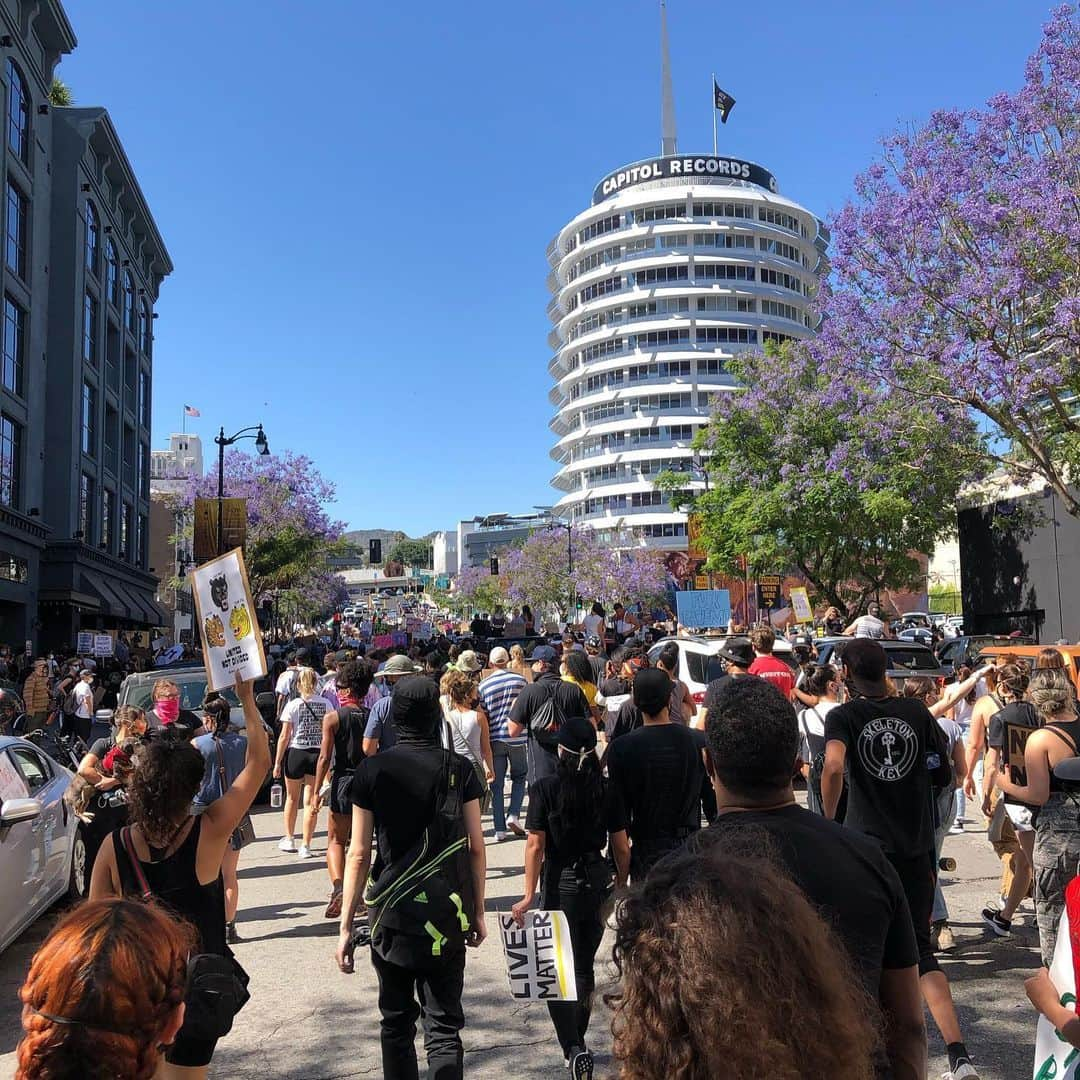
(727, 970)
(105, 994)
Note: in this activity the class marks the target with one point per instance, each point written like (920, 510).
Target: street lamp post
(261, 444)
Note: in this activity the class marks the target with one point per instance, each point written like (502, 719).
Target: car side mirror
(15, 810)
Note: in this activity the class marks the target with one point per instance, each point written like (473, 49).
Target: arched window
(18, 113)
(112, 274)
(93, 235)
(129, 301)
(144, 327)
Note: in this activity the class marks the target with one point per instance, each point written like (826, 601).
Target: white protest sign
(103, 645)
(1054, 1057)
(12, 785)
(231, 640)
(539, 958)
(800, 604)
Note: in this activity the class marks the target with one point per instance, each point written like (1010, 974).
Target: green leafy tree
(945, 598)
(411, 553)
(845, 487)
(60, 94)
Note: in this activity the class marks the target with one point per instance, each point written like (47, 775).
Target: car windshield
(912, 659)
(702, 668)
(192, 693)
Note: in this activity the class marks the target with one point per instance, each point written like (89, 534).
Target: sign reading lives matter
(539, 959)
(231, 639)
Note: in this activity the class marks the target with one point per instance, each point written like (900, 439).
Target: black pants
(428, 988)
(918, 877)
(571, 1018)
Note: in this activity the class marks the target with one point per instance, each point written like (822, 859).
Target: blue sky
(358, 197)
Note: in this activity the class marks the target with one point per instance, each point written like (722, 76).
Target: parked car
(42, 850)
(906, 658)
(1028, 653)
(700, 662)
(960, 651)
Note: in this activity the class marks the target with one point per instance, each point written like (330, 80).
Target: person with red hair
(105, 993)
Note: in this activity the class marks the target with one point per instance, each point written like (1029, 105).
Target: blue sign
(704, 608)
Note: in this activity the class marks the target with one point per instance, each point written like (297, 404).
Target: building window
(108, 518)
(131, 378)
(14, 337)
(144, 399)
(10, 461)
(86, 507)
(129, 302)
(17, 217)
(143, 479)
(126, 531)
(90, 329)
(112, 439)
(112, 274)
(141, 531)
(93, 236)
(89, 420)
(18, 113)
(145, 322)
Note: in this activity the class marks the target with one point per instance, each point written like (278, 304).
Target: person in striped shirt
(498, 692)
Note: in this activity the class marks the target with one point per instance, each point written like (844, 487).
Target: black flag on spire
(723, 101)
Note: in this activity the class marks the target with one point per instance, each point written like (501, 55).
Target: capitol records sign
(688, 167)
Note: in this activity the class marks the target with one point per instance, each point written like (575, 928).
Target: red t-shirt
(776, 671)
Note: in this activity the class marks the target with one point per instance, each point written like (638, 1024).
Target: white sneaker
(956, 829)
(286, 843)
(304, 852)
(965, 1071)
(500, 837)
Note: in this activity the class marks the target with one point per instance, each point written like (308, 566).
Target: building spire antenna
(667, 98)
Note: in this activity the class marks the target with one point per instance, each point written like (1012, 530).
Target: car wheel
(79, 882)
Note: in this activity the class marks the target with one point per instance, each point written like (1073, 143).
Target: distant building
(170, 470)
(480, 539)
(444, 553)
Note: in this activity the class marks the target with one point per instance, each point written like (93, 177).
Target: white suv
(700, 662)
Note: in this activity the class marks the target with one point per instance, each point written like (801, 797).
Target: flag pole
(183, 412)
(712, 93)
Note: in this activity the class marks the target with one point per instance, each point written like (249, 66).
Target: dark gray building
(79, 339)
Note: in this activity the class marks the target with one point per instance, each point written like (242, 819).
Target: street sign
(770, 591)
(704, 608)
(205, 542)
(694, 548)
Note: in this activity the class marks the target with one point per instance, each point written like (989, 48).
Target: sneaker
(956, 829)
(500, 837)
(945, 939)
(1001, 927)
(287, 843)
(581, 1065)
(304, 852)
(964, 1071)
(231, 936)
(333, 909)
(517, 830)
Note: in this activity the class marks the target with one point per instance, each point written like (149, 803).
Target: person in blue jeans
(498, 692)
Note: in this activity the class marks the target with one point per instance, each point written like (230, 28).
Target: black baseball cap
(737, 651)
(652, 691)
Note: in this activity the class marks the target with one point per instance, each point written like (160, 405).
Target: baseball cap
(593, 641)
(398, 665)
(545, 653)
(85, 671)
(468, 661)
(652, 691)
(738, 651)
(498, 656)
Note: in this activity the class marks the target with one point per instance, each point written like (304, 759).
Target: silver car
(42, 850)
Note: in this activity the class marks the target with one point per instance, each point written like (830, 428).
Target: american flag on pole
(189, 411)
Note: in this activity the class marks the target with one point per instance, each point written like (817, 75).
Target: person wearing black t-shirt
(656, 772)
(395, 792)
(571, 816)
(738, 654)
(753, 741)
(886, 743)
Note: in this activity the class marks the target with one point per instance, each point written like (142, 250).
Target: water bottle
(277, 795)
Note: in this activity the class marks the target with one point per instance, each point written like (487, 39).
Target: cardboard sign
(800, 604)
(704, 608)
(1054, 1057)
(539, 959)
(231, 639)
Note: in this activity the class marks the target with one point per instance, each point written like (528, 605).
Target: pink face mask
(168, 709)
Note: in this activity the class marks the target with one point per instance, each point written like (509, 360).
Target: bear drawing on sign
(219, 592)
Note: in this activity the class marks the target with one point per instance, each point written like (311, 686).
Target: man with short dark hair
(869, 625)
(542, 748)
(753, 740)
(656, 771)
(885, 744)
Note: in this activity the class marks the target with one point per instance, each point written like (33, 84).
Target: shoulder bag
(485, 800)
(244, 833)
(217, 985)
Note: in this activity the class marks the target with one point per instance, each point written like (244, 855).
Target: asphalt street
(307, 1021)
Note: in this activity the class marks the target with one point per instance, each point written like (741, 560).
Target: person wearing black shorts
(297, 757)
(342, 750)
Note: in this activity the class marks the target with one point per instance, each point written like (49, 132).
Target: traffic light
(374, 552)
(494, 566)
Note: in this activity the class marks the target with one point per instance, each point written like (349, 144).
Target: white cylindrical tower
(679, 262)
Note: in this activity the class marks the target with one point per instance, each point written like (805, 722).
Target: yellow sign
(701, 581)
(694, 538)
(234, 511)
(800, 604)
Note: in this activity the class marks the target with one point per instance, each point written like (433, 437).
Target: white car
(42, 850)
(700, 662)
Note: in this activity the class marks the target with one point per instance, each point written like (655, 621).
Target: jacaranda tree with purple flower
(476, 589)
(956, 273)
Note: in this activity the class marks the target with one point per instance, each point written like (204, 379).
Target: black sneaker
(1001, 927)
(231, 936)
(581, 1065)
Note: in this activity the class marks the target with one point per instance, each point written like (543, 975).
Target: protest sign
(800, 604)
(231, 639)
(85, 643)
(103, 645)
(1054, 1057)
(539, 958)
(704, 608)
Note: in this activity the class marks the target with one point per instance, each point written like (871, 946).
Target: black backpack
(428, 892)
(548, 719)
